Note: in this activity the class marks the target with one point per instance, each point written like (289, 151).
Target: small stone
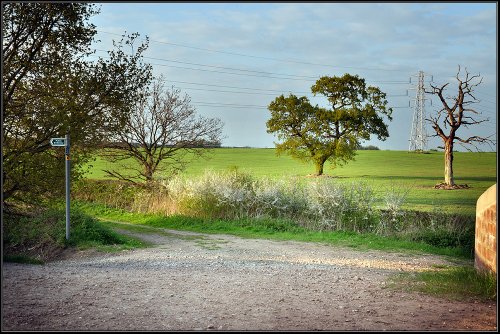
(210, 326)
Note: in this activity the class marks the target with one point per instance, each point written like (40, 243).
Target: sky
(234, 59)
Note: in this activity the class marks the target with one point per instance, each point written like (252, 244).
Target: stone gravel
(193, 281)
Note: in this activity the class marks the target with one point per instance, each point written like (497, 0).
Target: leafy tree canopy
(51, 86)
(313, 133)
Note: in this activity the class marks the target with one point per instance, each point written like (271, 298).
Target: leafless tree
(163, 128)
(457, 111)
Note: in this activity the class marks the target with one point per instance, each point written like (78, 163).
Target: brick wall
(486, 231)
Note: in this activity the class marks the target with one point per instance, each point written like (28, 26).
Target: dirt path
(191, 281)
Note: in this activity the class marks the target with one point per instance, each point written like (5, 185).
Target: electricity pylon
(418, 135)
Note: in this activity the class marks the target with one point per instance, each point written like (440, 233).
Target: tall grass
(321, 204)
(456, 283)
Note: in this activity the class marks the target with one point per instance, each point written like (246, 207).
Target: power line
(253, 71)
(480, 110)
(259, 57)
(224, 72)
(225, 106)
(252, 93)
(225, 91)
(245, 70)
(235, 87)
(215, 71)
(256, 89)
(252, 75)
(226, 68)
(229, 104)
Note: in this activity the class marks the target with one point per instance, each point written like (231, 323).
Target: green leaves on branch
(313, 133)
(51, 87)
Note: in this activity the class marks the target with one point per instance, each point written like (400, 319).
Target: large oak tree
(312, 133)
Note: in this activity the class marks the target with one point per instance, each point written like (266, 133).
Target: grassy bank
(41, 237)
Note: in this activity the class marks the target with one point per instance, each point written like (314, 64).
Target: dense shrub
(113, 193)
(42, 236)
(369, 148)
(235, 195)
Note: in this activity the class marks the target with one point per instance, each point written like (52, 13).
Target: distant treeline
(218, 145)
(369, 147)
(200, 144)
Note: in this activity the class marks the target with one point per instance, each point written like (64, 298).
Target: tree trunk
(448, 163)
(319, 163)
(148, 172)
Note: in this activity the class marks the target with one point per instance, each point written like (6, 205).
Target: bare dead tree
(163, 127)
(457, 111)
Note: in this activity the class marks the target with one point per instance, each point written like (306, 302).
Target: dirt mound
(445, 186)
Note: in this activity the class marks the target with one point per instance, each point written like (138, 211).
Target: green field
(382, 170)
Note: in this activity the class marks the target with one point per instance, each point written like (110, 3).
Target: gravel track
(193, 281)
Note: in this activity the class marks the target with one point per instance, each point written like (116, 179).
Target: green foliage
(50, 88)
(452, 231)
(114, 193)
(42, 237)
(311, 133)
(42, 233)
(21, 259)
(444, 238)
(369, 147)
(457, 283)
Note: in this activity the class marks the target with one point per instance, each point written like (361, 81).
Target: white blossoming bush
(340, 207)
(392, 217)
(212, 195)
(326, 204)
(321, 204)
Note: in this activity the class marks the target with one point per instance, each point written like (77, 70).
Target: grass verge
(269, 229)
(455, 283)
